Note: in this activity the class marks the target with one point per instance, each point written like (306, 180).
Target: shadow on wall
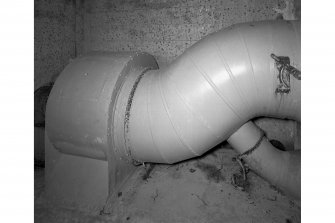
(58, 34)
(40, 101)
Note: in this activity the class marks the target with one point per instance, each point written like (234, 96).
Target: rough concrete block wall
(165, 28)
(54, 36)
(55, 44)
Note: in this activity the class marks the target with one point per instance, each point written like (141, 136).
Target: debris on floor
(196, 190)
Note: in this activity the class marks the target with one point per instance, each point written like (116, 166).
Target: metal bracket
(285, 70)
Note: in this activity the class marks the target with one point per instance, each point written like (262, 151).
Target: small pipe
(280, 168)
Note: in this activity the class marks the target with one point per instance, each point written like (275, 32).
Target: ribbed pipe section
(211, 90)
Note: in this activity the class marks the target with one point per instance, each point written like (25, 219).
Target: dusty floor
(197, 190)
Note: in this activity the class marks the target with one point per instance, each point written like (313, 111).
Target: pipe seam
(198, 116)
(231, 75)
(215, 88)
(128, 110)
(180, 136)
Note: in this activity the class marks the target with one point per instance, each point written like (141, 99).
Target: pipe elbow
(280, 168)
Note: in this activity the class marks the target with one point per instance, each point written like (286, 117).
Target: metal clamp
(285, 70)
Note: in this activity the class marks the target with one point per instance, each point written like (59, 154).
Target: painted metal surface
(212, 89)
(181, 111)
(80, 109)
(118, 107)
(86, 162)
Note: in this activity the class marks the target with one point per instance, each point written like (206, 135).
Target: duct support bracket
(86, 157)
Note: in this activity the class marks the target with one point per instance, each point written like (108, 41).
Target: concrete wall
(55, 44)
(55, 39)
(165, 28)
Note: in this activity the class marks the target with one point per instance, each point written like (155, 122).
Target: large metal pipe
(88, 101)
(119, 102)
(211, 90)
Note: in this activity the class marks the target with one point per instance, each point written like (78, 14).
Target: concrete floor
(197, 190)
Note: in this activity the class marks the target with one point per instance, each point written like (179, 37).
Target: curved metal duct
(210, 91)
(120, 106)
